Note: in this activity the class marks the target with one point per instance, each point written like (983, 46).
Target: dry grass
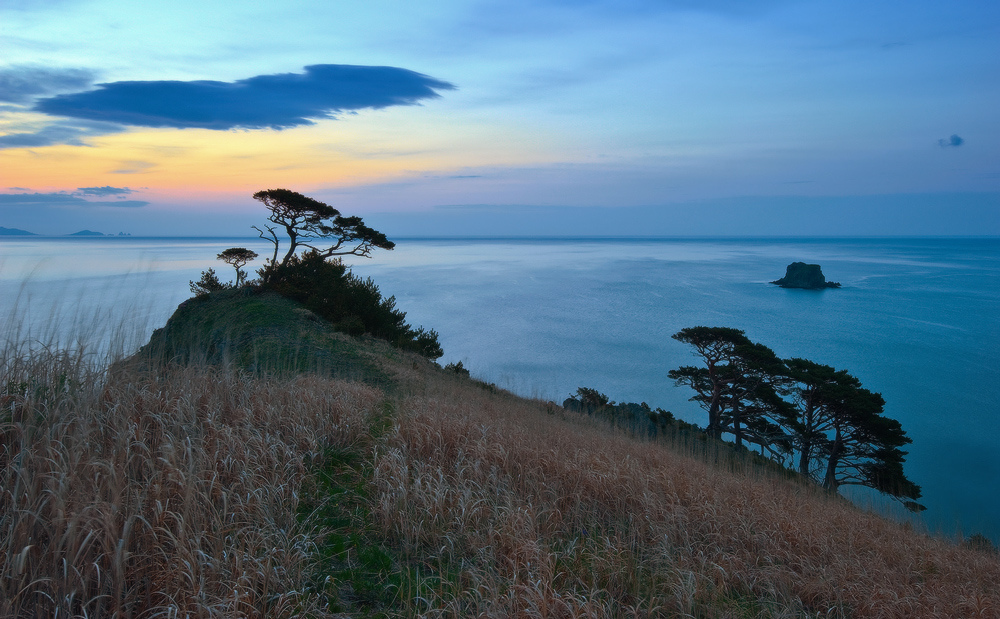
(176, 494)
(523, 514)
(169, 494)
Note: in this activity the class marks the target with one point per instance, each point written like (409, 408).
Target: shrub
(354, 305)
(457, 368)
(639, 418)
(980, 542)
(209, 282)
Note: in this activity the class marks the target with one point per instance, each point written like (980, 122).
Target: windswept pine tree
(316, 226)
(737, 386)
(842, 436)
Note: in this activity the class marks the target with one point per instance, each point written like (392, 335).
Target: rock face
(802, 275)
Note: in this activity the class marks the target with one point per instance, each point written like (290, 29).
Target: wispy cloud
(107, 190)
(275, 101)
(74, 133)
(953, 142)
(22, 84)
(62, 199)
(134, 167)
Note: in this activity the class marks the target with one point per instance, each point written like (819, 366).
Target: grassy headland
(251, 461)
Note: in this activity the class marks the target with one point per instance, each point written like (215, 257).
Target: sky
(481, 118)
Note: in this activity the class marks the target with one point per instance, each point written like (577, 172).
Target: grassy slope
(295, 488)
(259, 332)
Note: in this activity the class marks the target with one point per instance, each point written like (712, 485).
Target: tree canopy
(315, 225)
(238, 257)
(736, 386)
(841, 422)
(835, 426)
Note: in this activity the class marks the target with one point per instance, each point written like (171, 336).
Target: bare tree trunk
(830, 479)
(805, 457)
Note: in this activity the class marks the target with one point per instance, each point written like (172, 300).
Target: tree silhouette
(864, 447)
(307, 222)
(841, 422)
(816, 392)
(716, 347)
(238, 257)
(736, 386)
(836, 425)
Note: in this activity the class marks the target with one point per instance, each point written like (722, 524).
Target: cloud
(72, 133)
(277, 101)
(107, 190)
(41, 200)
(134, 167)
(953, 142)
(22, 84)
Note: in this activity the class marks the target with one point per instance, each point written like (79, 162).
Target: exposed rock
(802, 275)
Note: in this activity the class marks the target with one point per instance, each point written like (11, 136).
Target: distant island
(807, 276)
(15, 232)
(19, 232)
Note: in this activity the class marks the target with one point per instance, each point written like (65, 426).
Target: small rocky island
(802, 275)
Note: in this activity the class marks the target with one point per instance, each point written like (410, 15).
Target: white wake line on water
(927, 322)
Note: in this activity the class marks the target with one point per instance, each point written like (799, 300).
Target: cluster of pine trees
(804, 415)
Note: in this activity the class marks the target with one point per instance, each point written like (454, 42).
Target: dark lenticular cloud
(263, 102)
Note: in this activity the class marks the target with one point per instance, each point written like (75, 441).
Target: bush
(457, 368)
(638, 418)
(209, 282)
(354, 305)
(981, 543)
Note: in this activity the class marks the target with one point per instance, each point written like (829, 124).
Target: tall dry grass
(174, 493)
(514, 512)
(169, 494)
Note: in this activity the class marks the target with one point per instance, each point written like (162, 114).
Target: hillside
(262, 333)
(251, 461)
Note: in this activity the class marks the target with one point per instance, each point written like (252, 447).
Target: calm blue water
(917, 320)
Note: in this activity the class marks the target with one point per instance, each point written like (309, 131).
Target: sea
(916, 319)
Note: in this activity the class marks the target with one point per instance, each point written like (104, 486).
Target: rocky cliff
(802, 275)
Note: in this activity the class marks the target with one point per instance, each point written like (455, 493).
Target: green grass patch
(357, 571)
(260, 332)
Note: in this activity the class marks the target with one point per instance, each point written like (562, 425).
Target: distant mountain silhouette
(15, 232)
(86, 233)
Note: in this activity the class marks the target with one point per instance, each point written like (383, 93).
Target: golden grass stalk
(526, 514)
(175, 492)
(169, 494)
